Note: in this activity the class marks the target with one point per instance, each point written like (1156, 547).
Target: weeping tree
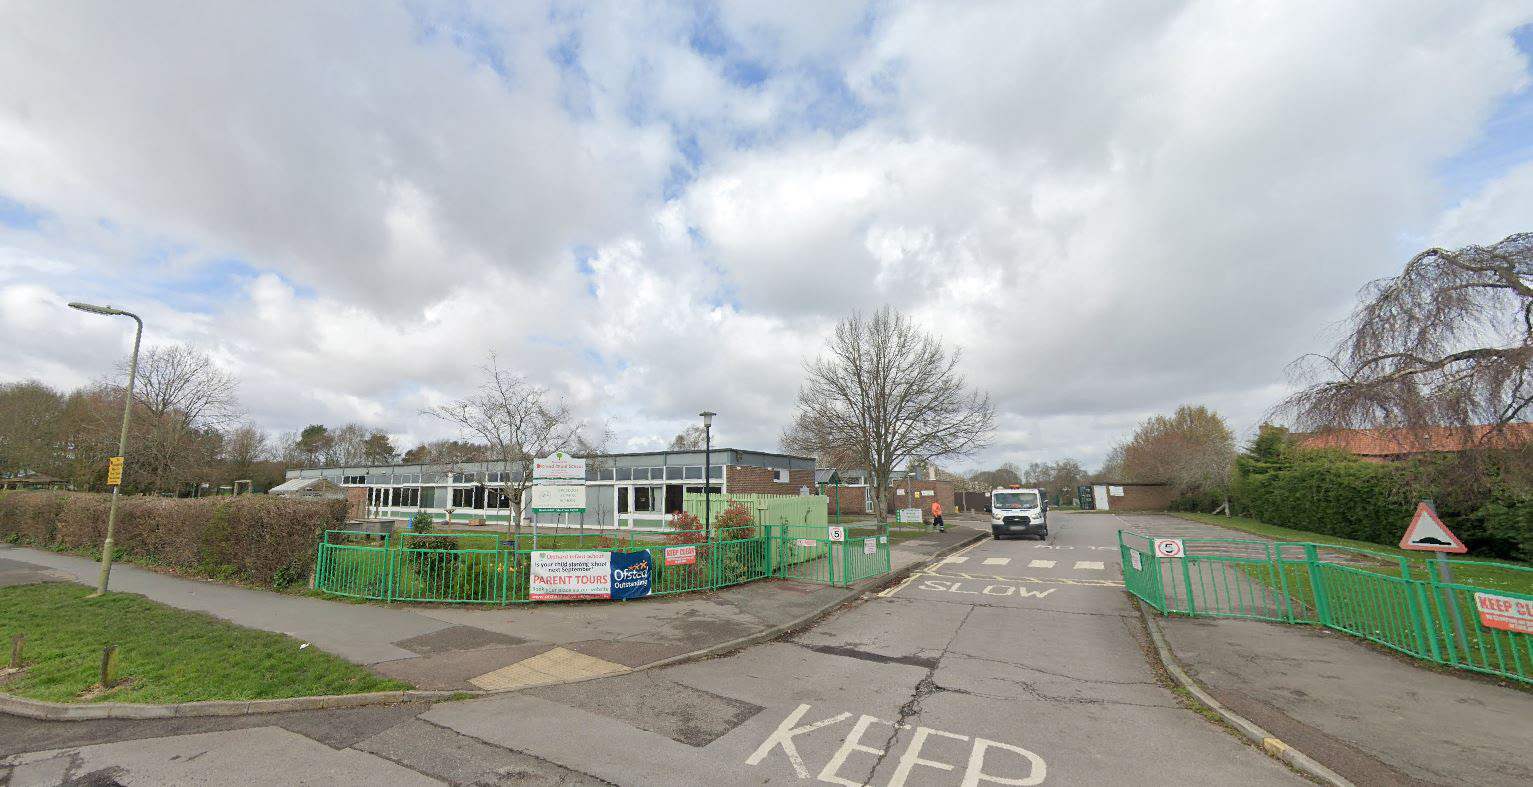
(1447, 343)
(884, 393)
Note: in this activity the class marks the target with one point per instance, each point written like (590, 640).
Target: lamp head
(707, 418)
(94, 309)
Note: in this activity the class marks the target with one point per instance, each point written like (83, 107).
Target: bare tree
(887, 392)
(185, 398)
(1448, 342)
(517, 422)
(689, 439)
(1192, 449)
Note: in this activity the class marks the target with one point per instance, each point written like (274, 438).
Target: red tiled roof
(1434, 439)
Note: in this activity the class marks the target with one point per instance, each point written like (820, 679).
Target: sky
(659, 208)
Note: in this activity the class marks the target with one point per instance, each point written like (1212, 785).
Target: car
(1018, 511)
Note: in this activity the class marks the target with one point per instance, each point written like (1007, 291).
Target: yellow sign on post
(114, 472)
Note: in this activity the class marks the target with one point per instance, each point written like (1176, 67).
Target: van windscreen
(1014, 500)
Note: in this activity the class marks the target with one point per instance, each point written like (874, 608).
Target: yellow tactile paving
(555, 665)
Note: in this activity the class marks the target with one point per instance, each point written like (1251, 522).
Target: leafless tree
(887, 392)
(517, 421)
(689, 439)
(1448, 342)
(185, 398)
(1193, 450)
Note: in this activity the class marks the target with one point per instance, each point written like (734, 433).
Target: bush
(255, 539)
(686, 528)
(422, 523)
(735, 523)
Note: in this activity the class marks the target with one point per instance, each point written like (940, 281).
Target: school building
(638, 490)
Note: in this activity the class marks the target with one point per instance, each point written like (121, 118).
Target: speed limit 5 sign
(1169, 547)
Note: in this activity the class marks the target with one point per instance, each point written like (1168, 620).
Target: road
(1015, 662)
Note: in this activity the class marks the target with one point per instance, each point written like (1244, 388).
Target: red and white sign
(1505, 612)
(1170, 547)
(837, 534)
(562, 576)
(680, 556)
(1428, 533)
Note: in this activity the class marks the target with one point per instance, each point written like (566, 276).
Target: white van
(1015, 511)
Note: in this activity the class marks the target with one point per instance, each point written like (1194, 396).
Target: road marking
(1088, 583)
(997, 561)
(988, 590)
(956, 560)
(1041, 564)
(1093, 565)
(1029, 770)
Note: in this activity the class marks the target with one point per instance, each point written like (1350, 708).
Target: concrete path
(468, 647)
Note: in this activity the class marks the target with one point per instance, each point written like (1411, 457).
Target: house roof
(1434, 439)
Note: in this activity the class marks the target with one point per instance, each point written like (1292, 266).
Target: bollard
(17, 643)
(108, 666)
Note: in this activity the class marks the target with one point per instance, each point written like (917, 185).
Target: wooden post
(17, 643)
(108, 666)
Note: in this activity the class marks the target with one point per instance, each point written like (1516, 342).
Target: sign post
(1427, 533)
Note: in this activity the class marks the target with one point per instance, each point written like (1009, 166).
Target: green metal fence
(481, 569)
(1378, 597)
(800, 510)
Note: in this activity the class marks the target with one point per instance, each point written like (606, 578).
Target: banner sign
(570, 575)
(630, 574)
(680, 556)
(1505, 612)
(576, 575)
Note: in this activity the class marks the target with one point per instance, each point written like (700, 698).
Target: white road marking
(1093, 565)
(1041, 564)
(997, 561)
(956, 559)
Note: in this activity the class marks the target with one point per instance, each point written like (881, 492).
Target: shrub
(422, 523)
(735, 523)
(253, 538)
(686, 529)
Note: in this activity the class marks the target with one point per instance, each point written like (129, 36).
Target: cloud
(660, 208)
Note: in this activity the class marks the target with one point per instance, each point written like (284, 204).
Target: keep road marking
(1093, 565)
(1041, 564)
(997, 561)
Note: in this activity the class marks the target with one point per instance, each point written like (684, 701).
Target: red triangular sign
(1428, 533)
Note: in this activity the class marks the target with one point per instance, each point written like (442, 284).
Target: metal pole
(707, 490)
(1445, 571)
(122, 448)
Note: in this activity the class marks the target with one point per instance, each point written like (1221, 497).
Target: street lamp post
(707, 473)
(122, 439)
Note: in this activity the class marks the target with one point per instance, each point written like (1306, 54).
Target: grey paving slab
(1392, 719)
(247, 757)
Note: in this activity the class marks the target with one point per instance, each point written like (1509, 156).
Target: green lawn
(1498, 575)
(164, 654)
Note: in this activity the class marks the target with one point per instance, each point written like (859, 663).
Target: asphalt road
(1015, 662)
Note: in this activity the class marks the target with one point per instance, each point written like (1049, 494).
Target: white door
(1099, 497)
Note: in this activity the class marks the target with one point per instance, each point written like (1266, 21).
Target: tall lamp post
(122, 440)
(707, 473)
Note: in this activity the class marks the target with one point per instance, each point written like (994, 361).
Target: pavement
(1008, 662)
(1371, 716)
(473, 647)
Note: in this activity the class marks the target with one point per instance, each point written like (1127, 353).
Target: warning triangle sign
(1428, 533)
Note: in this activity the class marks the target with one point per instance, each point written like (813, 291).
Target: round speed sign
(1169, 547)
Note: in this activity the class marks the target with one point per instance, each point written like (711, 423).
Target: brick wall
(943, 490)
(853, 499)
(1147, 497)
(743, 480)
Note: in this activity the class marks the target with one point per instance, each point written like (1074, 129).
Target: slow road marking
(1022, 768)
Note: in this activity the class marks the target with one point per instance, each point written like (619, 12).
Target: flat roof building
(622, 490)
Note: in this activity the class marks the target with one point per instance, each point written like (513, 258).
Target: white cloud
(1113, 209)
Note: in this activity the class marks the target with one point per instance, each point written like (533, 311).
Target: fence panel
(1365, 594)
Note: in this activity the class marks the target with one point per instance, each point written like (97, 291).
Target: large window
(1010, 500)
(408, 496)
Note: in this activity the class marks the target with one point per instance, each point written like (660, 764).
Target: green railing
(481, 569)
(1366, 594)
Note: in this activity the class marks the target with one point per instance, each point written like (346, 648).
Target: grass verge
(1500, 575)
(164, 654)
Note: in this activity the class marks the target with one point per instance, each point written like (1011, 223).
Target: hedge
(255, 539)
(1374, 502)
